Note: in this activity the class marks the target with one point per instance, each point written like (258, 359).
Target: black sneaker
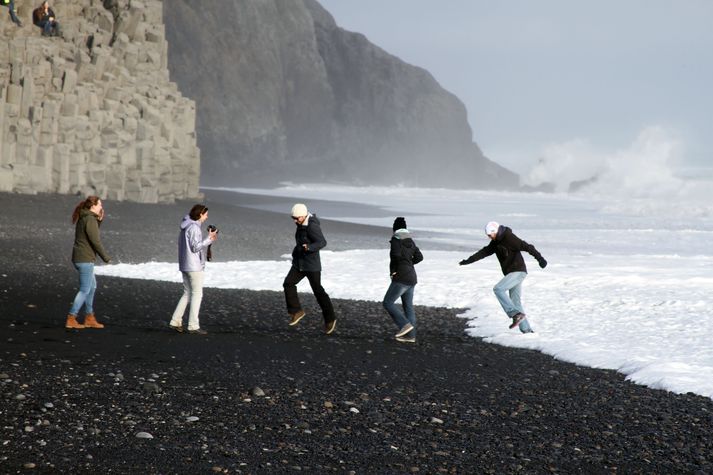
(516, 319)
(199, 331)
(329, 327)
(177, 328)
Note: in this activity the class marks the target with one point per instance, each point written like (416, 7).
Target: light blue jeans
(408, 315)
(87, 286)
(509, 292)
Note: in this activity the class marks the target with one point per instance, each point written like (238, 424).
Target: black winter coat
(404, 254)
(308, 260)
(506, 246)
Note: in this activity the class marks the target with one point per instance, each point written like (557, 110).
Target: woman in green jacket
(87, 216)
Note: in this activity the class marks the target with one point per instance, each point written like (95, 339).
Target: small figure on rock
(507, 246)
(403, 256)
(87, 217)
(44, 17)
(10, 4)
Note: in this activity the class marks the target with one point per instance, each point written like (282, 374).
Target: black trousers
(293, 301)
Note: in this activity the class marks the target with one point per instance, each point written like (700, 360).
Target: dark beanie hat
(399, 223)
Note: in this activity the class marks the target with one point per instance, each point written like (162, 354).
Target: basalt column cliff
(93, 111)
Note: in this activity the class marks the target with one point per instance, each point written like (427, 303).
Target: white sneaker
(406, 339)
(407, 328)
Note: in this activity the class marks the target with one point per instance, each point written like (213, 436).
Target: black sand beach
(257, 396)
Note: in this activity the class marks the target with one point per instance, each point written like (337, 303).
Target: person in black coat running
(306, 263)
(403, 256)
(507, 246)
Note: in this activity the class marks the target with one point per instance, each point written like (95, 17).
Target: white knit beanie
(299, 210)
(491, 227)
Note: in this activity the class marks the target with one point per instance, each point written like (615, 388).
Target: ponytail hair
(84, 204)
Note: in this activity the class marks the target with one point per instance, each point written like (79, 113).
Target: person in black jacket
(403, 256)
(44, 17)
(306, 263)
(507, 246)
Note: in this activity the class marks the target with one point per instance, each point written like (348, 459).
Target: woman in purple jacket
(192, 253)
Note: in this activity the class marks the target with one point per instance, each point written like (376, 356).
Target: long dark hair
(84, 204)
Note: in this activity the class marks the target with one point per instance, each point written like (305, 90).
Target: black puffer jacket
(308, 260)
(506, 246)
(404, 254)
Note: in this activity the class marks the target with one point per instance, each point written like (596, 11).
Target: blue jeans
(509, 291)
(87, 286)
(11, 7)
(408, 315)
(47, 27)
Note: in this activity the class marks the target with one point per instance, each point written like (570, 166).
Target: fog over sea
(629, 285)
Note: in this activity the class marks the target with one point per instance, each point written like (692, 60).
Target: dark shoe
(296, 317)
(329, 327)
(18, 23)
(199, 331)
(516, 319)
(406, 329)
(178, 328)
(406, 339)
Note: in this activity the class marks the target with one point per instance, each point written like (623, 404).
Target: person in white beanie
(507, 247)
(306, 263)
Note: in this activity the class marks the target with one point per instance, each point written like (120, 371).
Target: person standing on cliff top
(507, 246)
(306, 263)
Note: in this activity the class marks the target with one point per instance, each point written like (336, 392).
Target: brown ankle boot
(72, 323)
(90, 321)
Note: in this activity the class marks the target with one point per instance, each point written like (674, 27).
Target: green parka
(86, 239)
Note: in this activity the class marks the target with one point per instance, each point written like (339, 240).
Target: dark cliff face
(283, 94)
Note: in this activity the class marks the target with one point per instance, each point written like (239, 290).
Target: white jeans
(193, 293)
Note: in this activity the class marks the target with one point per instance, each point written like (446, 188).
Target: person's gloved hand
(542, 262)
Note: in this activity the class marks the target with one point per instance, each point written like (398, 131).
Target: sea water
(629, 284)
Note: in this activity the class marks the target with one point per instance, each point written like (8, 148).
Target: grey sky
(533, 73)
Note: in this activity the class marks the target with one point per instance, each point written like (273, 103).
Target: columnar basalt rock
(94, 111)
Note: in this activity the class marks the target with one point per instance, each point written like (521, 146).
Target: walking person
(507, 246)
(192, 254)
(403, 256)
(306, 263)
(87, 217)
(10, 4)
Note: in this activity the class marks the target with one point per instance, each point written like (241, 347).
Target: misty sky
(537, 73)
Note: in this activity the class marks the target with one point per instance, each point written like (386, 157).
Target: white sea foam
(622, 291)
